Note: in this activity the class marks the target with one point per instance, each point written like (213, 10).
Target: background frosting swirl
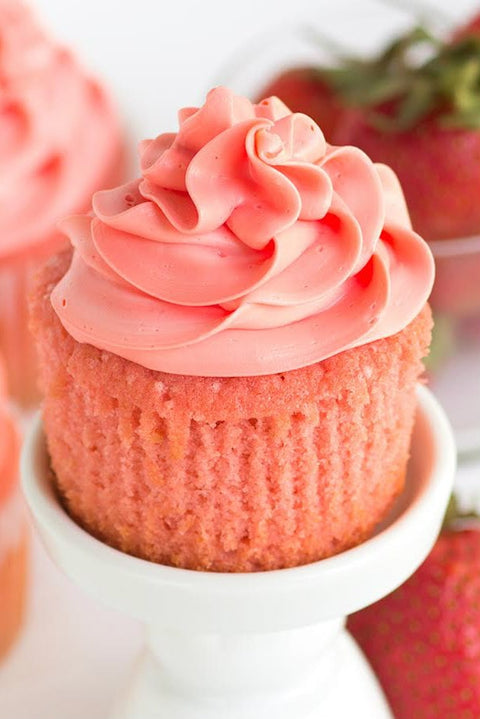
(59, 136)
(9, 447)
(248, 246)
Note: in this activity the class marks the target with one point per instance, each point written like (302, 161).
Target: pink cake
(229, 357)
(13, 531)
(59, 142)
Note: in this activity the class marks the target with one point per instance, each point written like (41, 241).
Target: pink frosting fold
(59, 136)
(248, 246)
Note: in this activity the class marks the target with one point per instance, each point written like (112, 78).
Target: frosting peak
(251, 168)
(248, 246)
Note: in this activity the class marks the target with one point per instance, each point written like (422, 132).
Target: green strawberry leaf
(456, 519)
(416, 76)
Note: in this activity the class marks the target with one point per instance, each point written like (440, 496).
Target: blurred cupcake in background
(13, 530)
(60, 140)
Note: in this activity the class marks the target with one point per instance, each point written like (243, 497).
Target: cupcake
(13, 532)
(59, 142)
(229, 354)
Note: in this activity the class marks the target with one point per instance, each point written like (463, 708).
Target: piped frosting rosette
(248, 246)
(58, 133)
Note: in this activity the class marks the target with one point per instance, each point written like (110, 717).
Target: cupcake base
(227, 474)
(270, 644)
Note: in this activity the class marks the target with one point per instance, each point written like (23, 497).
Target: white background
(156, 56)
(160, 55)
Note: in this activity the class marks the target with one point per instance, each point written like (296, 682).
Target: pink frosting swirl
(248, 246)
(59, 136)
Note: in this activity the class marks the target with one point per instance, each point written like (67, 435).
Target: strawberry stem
(455, 518)
(416, 76)
(318, 38)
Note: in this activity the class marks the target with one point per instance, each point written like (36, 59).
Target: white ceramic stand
(268, 645)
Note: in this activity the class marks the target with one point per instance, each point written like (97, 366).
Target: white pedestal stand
(268, 645)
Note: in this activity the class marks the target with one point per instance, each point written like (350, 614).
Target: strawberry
(416, 107)
(423, 640)
(438, 168)
(305, 90)
(422, 119)
(472, 27)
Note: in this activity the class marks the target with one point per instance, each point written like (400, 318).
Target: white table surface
(72, 654)
(158, 56)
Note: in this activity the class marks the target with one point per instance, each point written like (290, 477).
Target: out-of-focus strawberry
(423, 640)
(303, 89)
(422, 119)
(472, 27)
(416, 107)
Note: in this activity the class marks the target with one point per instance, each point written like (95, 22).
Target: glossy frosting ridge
(248, 246)
(58, 132)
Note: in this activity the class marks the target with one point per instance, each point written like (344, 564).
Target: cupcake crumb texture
(227, 474)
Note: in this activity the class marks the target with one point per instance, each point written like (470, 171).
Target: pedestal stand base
(352, 691)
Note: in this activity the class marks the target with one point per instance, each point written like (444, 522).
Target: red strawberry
(440, 174)
(423, 640)
(438, 168)
(422, 119)
(305, 90)
(415, 107)
(472, 27)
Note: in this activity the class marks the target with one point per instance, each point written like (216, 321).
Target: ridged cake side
(227, 474)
